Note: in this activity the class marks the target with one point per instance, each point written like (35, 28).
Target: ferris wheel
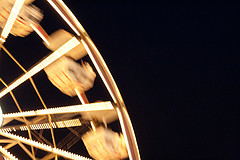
(87, 121)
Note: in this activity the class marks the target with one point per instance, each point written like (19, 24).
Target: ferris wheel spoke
(91, 108)
(40, 126)
(11, 19)
(44, 147)
(7, 154)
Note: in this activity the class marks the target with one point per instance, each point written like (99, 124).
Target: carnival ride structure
(87, 121)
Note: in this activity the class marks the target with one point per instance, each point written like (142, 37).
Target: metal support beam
(73, 137)
(26, 150)
(6, 141)
(10, 145)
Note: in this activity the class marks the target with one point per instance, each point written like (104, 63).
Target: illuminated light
(60, 110)
(131, 128)
(72, 15)
(80, 97)
(12, 17)
(68, 123)
(2, 40)
(42, 146)
(107, 70)
(53, 125)
(73, 42)
(44, 38)
(64, 17)
(125, 133)
(93, 126)
(59, 124)
(47, 125)
(99, 70)
(7, 154)
(69, 14)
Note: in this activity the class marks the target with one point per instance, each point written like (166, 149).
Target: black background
(176, 65)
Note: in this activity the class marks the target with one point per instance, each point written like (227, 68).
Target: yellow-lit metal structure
(64, 116)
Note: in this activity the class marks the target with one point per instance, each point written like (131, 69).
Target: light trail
(69, 18)
(39, 30)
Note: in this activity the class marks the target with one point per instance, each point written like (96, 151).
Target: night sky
(176, 65)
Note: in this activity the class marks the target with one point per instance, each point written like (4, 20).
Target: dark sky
(176, 65)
